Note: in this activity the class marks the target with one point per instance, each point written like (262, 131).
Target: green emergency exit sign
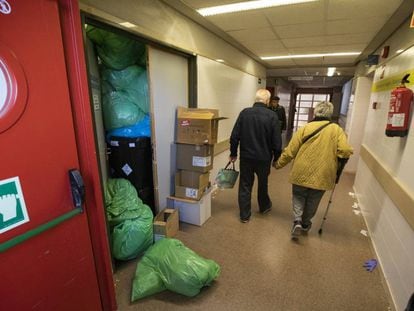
(13, 210)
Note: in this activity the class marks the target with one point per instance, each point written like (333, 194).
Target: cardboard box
(197, 126)
(166, 224)
(198, 158)
(194, 179)
(192, 212)
(190, 184)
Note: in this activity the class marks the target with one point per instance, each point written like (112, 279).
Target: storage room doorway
(135, 88)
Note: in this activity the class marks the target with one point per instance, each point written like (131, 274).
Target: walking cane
(326, 211)
(341, 165)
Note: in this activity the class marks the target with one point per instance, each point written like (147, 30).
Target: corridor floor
(262, 269)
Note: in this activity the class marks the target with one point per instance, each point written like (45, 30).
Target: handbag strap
(315, 132)
(232, 168)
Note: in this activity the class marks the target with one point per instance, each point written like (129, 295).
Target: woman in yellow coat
(317, 150)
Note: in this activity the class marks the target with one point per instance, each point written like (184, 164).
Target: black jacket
(257, 130)
(281, 114)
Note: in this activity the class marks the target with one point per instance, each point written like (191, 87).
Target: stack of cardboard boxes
(196, 135)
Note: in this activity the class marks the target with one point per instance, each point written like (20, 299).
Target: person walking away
(318, 150)
(257, 130)
(280, 111)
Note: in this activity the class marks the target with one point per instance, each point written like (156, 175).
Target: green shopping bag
(227, 177)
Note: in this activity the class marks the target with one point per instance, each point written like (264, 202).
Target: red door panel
(54, 270)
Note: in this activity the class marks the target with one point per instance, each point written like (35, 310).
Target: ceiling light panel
(331, 71)
(246, 6)
(128, 25)
(238, 21)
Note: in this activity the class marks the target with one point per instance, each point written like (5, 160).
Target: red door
(39, 144)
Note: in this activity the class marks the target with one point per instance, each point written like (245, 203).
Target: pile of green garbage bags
(130, 220)
(116, 52)
(168, 264)
(125, 99)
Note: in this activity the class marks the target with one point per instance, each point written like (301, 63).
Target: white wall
(357, 114)
(392, 236)
(227, 89)
(168, 76)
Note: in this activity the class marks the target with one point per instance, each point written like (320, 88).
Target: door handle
(78, 188)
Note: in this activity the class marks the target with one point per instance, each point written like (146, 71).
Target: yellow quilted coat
(315, 161)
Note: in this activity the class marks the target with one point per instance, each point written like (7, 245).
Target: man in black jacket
(280, 111)
(257, 129)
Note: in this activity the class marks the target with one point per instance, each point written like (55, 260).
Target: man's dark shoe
(267, 210)
(244, 220)
(296, 230)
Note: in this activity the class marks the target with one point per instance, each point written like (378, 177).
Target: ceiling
(323, 26)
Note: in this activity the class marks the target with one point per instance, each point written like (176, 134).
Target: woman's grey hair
(324, 109)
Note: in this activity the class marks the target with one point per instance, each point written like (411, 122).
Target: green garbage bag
(132, 237)
(131, 80)
(121, 201)
(129, 218)
(168, 264)
(115, 51)
(120, 110)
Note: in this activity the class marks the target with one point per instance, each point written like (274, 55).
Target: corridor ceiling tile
(358, 38)
(304, 42)
(264, 45)
(296, 14)
(349, 26)
(300, 30)
(344, 9)
(268, 51)
(254, 34)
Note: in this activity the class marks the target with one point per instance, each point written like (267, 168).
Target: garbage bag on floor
(130, 220)
(132, 237)
(115, 51)
(168, 264)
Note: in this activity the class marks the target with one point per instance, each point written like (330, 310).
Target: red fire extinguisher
(399, 111)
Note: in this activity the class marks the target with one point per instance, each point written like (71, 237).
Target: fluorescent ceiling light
(310, 55)
(331, 71)
(400, 50)
(220, 60)
(127, 25)
(246, 5)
